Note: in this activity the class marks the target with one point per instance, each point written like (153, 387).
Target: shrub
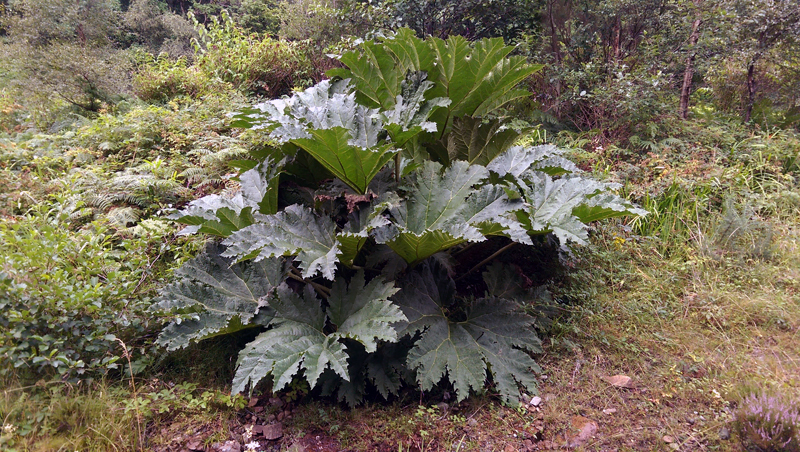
(341, 244)
(162, 79)
(52, 321)
(324, 25)
(258, 65)
(769, 423)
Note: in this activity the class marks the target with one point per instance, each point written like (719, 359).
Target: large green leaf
(546, 158)
(479, 78)
(221, 216)
(493, 213)
(363, 312)
(374, 71)
(351, 163)
(218, 297)
(562, 206)
(298, 338)
(494, 332)
(294, 231)
(606, 205)
(477, 141)
(444, 209)
(316, 107)
(430, 221)
(409, 115)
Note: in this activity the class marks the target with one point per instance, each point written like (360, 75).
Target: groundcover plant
(337, 245)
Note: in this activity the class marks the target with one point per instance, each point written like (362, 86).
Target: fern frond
(123, 217)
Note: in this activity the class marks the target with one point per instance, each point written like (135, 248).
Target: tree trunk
(688, 73)
(751, 90)
(554, 44)
(616, 43)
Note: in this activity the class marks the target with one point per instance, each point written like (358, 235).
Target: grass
(696, 334)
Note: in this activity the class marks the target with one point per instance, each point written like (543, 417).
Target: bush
(325, 25)
(162, 79)
(159, 31)
(340, 246)
(52, 321)
(253, 64)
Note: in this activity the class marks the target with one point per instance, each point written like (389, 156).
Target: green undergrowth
(698, 302)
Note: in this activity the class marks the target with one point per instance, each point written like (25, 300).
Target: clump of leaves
(337, 245)
(52, 322)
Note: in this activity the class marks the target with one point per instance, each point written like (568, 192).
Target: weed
(769, 423)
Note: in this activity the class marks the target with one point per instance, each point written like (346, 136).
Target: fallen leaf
(620, 381)
(609, 411)
(253, 402)
(195, 444)
(272, 431)
(536, 401)
(585, 428)
(668, 439)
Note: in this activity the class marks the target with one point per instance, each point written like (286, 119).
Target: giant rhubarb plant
(333, 246)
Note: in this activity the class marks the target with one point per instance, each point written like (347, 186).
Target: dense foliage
(377, 176)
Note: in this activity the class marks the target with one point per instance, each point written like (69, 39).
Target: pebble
(536, 401)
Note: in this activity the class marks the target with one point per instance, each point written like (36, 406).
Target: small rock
(253, 402)
(472, 422)
(271, 418)
(195, 444)
(276, 402)
(527, 444)
(667, 439)
(442, 406)
(281, 415)
(585, 428)
(609, 411)
(724, 434)
(509, 448)
(690, 420)
(536, 401)
(272, 431)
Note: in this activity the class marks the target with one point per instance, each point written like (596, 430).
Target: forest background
(112, 114)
